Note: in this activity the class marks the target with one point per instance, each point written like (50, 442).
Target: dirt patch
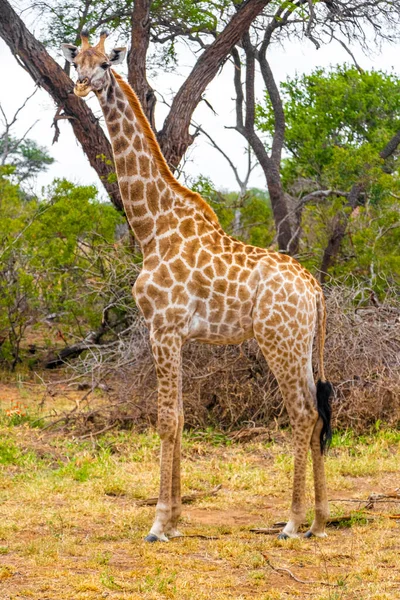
(218, 518)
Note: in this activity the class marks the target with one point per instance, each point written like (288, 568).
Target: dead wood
(289, 572)
(276, 528)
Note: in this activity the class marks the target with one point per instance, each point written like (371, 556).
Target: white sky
(71, 162)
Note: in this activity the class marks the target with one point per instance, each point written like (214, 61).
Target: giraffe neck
(136, 168)
(148, 188)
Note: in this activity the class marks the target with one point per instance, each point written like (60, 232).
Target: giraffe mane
(158, 155)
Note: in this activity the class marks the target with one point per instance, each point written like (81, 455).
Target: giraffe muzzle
(82, 88)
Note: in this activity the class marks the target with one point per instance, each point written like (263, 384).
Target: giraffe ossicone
(198, 283)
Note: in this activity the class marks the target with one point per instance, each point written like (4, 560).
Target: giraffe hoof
(309, 534)
(283, 536)
(174, 533)
(152, 537)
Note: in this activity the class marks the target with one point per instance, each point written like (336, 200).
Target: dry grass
(70, 528)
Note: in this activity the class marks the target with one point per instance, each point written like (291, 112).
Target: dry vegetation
(231, 387)
(72, 528)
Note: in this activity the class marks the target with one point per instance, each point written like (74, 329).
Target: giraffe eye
(105, 65)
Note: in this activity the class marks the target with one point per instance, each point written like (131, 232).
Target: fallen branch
(331, 521)
(201, 536)
(284, 570)
(372, 498)
(391, 497)
(95, 433)
(266, 530)
(185, 499)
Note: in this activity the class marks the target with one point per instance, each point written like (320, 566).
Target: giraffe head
(92, 63)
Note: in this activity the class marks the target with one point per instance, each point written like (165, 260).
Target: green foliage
(257, 219)
(182, 17)
(248, 218)
(338, 122)
(11, 454)
(49, 250)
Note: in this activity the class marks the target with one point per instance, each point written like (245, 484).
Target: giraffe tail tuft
(324, 388)
(324, 393)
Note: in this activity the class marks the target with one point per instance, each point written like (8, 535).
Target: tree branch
(390, 147)
(175, 137)
(51, 77)
(277, 107)
(140, 37)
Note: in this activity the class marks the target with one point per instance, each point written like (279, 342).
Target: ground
(71, 526)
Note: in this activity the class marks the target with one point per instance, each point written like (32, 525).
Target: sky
(71, 162)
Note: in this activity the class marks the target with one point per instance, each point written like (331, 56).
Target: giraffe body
(198, 283)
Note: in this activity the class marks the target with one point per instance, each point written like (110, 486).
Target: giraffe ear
(117, 56)
(69, 51)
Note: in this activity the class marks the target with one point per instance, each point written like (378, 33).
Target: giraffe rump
(324, 392)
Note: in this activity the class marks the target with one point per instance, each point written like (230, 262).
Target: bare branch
(310, 24)
(203, 72)
(51, 77)
(341, 42)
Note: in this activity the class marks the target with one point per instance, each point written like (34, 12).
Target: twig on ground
(95, 433)
(373, 498)
(266, 530)
(284, 570)
(201, 536)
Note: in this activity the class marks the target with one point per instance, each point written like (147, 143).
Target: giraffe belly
(207, 331)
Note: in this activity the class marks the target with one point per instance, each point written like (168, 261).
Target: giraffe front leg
(167, 356)
(172, 530)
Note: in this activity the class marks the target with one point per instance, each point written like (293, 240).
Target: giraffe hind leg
(320, 440)
(292, 369)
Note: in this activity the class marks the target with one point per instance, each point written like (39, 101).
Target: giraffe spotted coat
(199, 283)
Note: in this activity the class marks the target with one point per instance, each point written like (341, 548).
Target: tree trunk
(140, 36)
(51, 77)
(245, 124)
(174, 138)
(286, 242)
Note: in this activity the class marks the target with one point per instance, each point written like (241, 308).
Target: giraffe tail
(324, 387)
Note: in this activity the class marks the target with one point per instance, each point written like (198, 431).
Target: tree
(341, 142)
(321, 22)
(26, 156)
(169, 24)
(56, 255)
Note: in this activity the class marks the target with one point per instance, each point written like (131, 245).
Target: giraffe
(198, 283)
